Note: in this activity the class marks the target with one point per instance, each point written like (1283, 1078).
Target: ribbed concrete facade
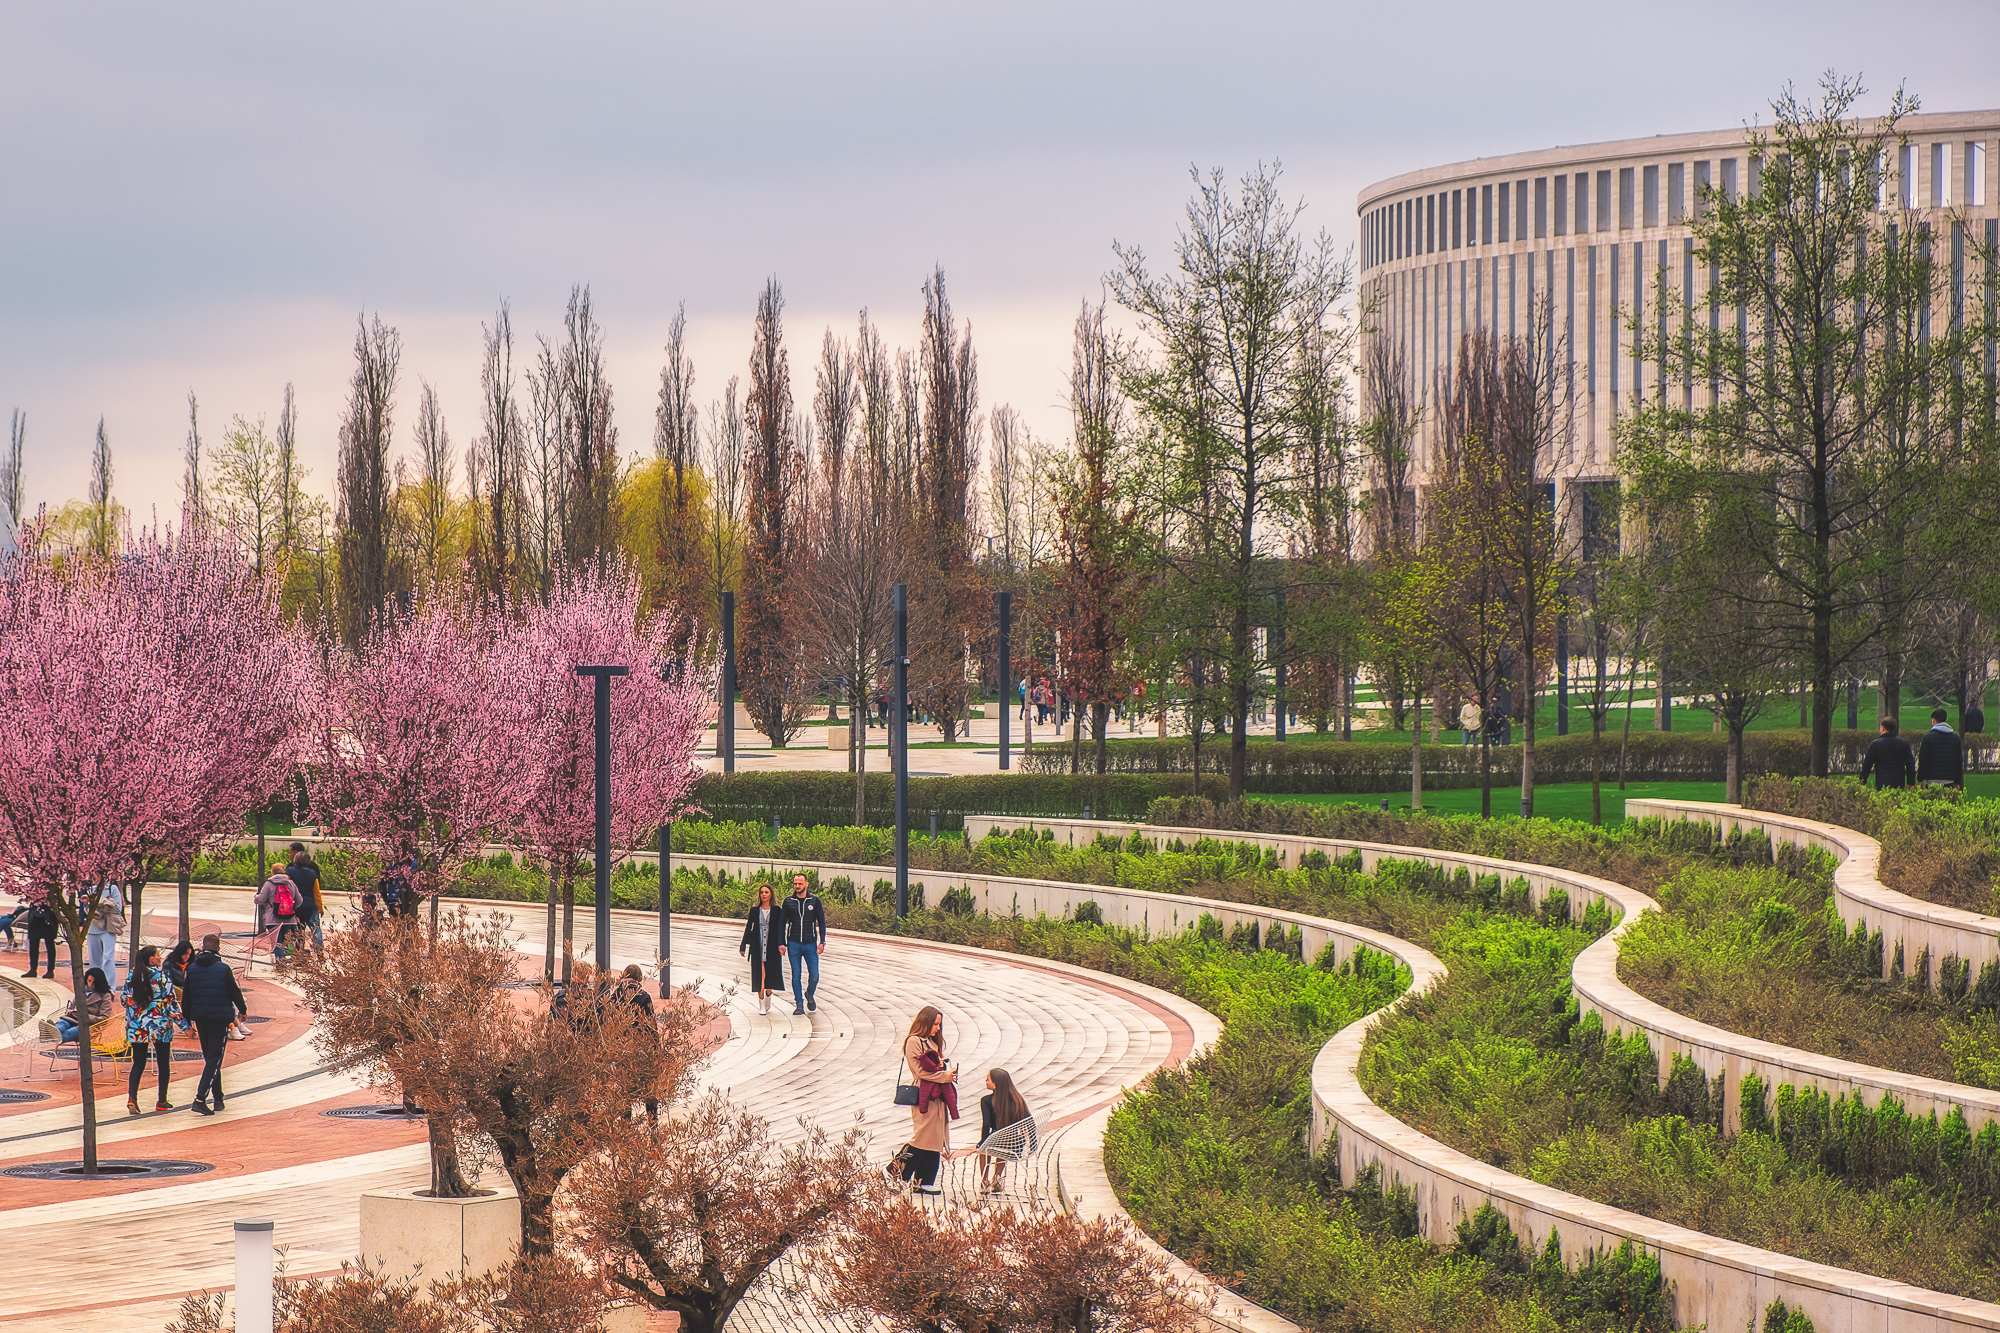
(1475, 244)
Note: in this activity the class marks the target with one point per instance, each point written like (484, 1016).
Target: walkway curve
(1717, 1282)
(1073, 1037)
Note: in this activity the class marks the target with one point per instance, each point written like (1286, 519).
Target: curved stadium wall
(1476, 244)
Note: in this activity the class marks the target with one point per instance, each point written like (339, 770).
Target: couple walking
(797, 926)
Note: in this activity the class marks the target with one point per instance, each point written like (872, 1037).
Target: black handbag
(906, 1093)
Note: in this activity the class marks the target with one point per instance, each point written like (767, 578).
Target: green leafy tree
(1807, 407)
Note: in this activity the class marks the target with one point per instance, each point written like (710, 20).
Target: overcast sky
(205, 196)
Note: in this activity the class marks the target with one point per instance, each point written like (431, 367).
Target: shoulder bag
(906, 1093)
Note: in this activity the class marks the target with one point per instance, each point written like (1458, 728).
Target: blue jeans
(809, 955)
(100, 949)
(66, 1029)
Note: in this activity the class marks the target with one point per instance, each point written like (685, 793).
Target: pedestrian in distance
(212, 1001)
(312, 901)
(93, 1009)
(1470, 721)
(1940, 756)
(1972, 722)
(151, 1015)
(278, 907)
(631, 989)
(41, 923)
(805, 940)
(107, 926)
(1889, 758)
(1001, 1108)
(764, 945)
(937, 1100)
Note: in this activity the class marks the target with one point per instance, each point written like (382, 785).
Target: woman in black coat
(764, 945)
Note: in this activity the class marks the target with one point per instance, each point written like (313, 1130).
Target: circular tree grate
(383, 1111)
(9, 1096)
(124, 1168)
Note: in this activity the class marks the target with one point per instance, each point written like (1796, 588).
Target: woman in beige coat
(930, 1119)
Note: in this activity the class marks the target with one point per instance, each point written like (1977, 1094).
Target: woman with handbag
(764, 944)
(107, 925)
(935, 1103)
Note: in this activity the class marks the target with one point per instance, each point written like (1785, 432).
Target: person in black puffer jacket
(211, 1000)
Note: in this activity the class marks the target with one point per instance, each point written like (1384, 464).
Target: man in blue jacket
(805, 940)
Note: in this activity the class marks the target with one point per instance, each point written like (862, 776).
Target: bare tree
(102, 506)
(547, 478)
(194, 499)
(876, 373)
(725, 480)
(290, 474)
(10, 467)
(497, 489)
(433, 523)
(771, 661)
(836, 407)
(364, 476)
(677, 539)
(590, 441)
(948, 602)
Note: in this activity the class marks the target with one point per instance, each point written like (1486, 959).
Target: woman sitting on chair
(97, 1003)
(1001, 1107)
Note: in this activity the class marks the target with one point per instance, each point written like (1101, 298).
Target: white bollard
(253, 1275)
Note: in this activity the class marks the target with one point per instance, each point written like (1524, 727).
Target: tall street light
(601, 676)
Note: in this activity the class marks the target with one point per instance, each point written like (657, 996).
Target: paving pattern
(114, 1256)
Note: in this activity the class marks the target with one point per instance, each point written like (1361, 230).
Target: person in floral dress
(152, 1012)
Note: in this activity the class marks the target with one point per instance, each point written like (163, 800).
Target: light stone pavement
(1073, 1039)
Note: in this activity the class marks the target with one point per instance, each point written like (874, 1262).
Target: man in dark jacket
(305, 876)
(1889, 759)
(1940, 758)
(805, 940)
(211, 1000)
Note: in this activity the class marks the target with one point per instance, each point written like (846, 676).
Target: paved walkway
(113, 1256)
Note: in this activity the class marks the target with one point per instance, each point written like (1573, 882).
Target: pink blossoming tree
(420, 755)
(659, 712)
(148, 701)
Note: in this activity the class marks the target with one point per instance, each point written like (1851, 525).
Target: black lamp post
(899, 748)
(1006, 601)
(666, 909)
(601, 677)
(725, 724)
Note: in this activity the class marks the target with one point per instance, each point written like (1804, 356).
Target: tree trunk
(1100, 718)
(1075, 735)
(549, 917)
(1417, 754)
(1239, 700)
(859, 760)
(1822, 686)
(568, 927)
(1485, 767)
(86, 1085)
(1625, 741)
(1527, 698)
(1735, 762)
(1597, 768)
(187, 877)
(447, 1179)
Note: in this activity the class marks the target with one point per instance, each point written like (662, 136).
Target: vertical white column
(254, 1262)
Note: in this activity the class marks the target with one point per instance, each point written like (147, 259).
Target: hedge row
(828, 798)
(1349, 767)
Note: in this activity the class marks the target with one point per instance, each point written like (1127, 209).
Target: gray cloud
(206, 196)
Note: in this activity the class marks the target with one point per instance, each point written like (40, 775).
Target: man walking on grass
(1889, 759)
(805, 940)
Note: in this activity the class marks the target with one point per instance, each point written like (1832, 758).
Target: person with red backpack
(278, 905)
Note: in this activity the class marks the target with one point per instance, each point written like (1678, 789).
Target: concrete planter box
(403, 1230)
(836, 736)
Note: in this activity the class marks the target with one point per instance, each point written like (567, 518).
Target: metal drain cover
(121, 1168)
(9, 1096)
(383, 1111)
(255, 1018)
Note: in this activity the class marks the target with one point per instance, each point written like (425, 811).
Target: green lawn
(1570, 800)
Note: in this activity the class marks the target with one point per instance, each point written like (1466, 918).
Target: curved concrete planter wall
(1912, 923)
(1716, 1282)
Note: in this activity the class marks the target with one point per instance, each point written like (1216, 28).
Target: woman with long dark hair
(151, 1015)
(764, 943)
(1001, 1107)
(937, 1099)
